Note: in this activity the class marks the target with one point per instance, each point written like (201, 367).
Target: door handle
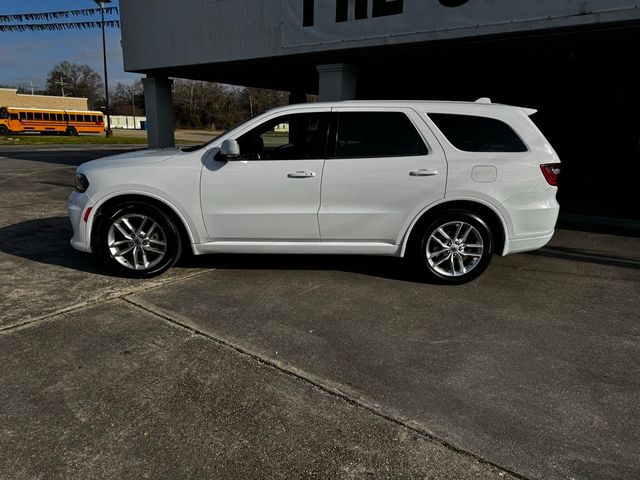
(301, 174)
(423, 172)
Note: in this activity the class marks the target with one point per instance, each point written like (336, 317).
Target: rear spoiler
(487, 101)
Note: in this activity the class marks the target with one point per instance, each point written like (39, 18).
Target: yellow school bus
(48, 121)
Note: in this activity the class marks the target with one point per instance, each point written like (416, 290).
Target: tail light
(551, 172)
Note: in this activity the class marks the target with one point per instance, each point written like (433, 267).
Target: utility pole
(32, 90)
(102, 3)
(60, 82)
(133, 105)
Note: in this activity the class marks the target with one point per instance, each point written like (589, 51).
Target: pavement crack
(322, 386)
(97, 300)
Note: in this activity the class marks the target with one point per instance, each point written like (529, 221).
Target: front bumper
(77, 205)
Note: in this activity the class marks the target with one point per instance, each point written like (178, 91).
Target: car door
(386, 166)
(272, 192)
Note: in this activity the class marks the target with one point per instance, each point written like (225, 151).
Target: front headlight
(82, 183)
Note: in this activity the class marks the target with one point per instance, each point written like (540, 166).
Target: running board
(301, 248)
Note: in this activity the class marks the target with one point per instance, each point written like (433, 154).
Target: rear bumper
(517, 245)
(77, 205)
(533, 218)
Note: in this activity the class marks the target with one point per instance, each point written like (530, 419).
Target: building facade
(9, 97)
(575, 61)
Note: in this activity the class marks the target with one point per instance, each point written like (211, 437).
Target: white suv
(446, 184)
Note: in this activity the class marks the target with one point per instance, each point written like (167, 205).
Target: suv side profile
(443, 184)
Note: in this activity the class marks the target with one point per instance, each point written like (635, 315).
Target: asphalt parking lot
(308, 367)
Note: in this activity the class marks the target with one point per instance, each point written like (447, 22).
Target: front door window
(300, 136)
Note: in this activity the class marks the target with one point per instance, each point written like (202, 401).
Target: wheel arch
(181, 223)
(492, 217)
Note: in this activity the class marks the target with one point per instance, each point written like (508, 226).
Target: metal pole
(133, 105)
(106, 80)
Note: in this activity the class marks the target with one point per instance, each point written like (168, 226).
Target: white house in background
(128, 122)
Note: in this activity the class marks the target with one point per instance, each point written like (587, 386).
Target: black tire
(453, 248)
(4, 130)
(150, 248)
(72, 132)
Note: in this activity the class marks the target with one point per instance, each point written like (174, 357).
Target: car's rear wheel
(138, 240)
(454, 248)
(72, 132)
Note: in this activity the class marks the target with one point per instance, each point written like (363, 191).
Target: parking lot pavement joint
(96, 300)
(317, 383)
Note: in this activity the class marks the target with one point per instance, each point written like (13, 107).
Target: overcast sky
(28, 56)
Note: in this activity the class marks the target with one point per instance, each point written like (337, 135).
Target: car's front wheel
(137, 239)
(455, 247)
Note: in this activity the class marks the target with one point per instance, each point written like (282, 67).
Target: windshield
(193, 148)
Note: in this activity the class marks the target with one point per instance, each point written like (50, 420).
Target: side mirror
(229, 150)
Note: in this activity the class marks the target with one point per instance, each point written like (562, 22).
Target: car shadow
(46, 240)
(389, 268)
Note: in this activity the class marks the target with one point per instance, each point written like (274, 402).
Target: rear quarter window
(478, 134)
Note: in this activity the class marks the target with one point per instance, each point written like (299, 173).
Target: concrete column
(158, 102)
(337, 82)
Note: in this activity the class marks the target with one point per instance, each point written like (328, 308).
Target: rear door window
(478, 134)
(377, 134)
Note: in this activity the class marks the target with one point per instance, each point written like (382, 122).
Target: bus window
(59, 117)
(23, 115)
(45, 116)
(87, 118)
(94, 119)
(66, 117)
(14, 116)
(37, 116)
(73, 117)
(29, 115)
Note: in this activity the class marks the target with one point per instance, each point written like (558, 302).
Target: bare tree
(127, 99)
(77, 80)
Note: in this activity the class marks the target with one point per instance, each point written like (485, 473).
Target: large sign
(316, 22)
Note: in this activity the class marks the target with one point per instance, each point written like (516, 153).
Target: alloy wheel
(136, 241)
(454, 249)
